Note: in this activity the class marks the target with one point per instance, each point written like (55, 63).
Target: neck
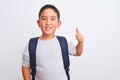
(46, 37)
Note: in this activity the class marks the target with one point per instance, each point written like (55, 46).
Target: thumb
(77, 31)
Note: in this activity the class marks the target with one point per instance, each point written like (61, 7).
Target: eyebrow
(53, 17)
(50, 16)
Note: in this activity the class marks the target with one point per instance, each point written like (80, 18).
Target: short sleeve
(25, 57)
(71, 49)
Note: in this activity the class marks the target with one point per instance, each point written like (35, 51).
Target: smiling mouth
(48, 28)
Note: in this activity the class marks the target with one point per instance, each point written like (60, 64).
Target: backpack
(32, 53)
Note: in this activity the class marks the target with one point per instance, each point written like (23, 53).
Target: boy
(49, 61)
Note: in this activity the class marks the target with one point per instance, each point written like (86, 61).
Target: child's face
(48, 22)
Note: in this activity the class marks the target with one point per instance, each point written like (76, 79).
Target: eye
(53, 19)
(43, 18)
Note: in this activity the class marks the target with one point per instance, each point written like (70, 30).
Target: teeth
(47, 28)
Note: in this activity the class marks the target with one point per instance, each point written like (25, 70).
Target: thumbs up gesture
(79, 36)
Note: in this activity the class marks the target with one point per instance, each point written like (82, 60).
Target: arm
(26, 73)
(79, 46)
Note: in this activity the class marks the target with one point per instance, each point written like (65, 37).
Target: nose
(48, 21)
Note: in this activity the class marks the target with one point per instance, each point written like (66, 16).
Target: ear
(38, 22)
(59, 24)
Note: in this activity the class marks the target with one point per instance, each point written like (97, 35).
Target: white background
(97, 20)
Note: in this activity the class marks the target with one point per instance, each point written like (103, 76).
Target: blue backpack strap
(65, 54)
(32, 53)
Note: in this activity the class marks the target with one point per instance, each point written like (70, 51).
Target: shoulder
(34, 38)
(61, 37)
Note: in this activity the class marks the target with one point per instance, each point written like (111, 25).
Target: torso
(49, 61)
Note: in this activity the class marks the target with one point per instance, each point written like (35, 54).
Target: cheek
(40, 24)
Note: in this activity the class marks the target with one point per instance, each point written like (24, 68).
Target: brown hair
(51, 7)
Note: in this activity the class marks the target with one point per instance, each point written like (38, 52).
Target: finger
(77, 31)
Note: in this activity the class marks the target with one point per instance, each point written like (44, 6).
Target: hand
(79, 36)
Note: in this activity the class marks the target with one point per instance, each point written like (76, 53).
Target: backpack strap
(65, 54)
(32, 53)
